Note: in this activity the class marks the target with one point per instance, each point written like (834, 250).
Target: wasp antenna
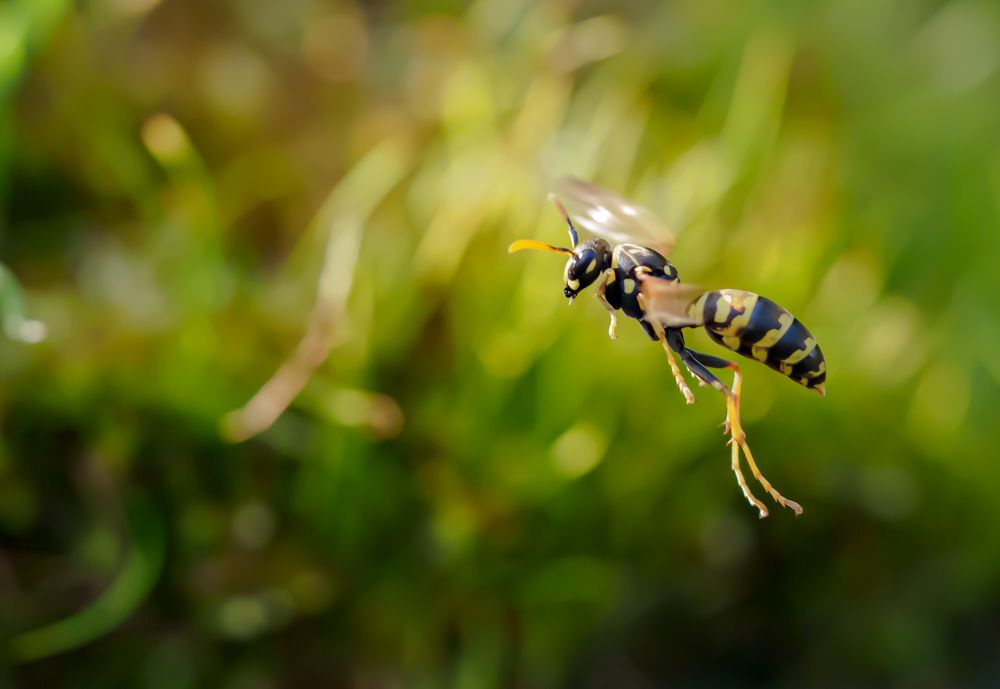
(559, 206)
(534, 245)
(573, 236)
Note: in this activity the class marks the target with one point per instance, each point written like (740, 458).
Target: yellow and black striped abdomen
(759, 329)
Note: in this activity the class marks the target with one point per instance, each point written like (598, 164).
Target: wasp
(626, 261)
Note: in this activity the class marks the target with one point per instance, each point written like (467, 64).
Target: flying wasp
(626, 259)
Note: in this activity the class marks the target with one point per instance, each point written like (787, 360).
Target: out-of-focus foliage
(477, 488)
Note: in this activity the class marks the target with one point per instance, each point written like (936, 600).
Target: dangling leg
(732, 398)
(734, 427)
(703, 374)
(602, 284)
(674, 368)
(740, 438)
(678, 376)
(751, 498)
(717, 362)
(701, 383)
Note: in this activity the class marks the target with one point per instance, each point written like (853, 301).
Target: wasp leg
(602, 284)
(698, 369)
(701, 383)
(740, 437)
(778, 497)
(733, 425)
(751, 498)
(674, 368)
(678, 376)
(716, 362)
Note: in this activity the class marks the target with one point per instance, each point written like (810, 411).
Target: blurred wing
(674, 304)
(608, 215)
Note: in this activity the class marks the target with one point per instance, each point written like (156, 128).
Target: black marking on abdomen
(708, 309)
(808, 365)
(763, 320)
(792, 341)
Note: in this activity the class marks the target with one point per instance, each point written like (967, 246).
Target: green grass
(476, 488)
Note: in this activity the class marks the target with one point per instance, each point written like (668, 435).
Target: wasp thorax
(589, 260)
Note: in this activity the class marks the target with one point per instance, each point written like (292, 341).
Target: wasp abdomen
(759, 329)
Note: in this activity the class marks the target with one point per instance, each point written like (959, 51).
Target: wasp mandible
(627, 260)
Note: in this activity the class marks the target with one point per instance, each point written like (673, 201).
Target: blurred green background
(476, 488)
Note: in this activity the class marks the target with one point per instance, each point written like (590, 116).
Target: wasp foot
(738, 441)
(751, 498)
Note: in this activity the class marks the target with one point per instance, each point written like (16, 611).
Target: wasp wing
(613, 217)
(672, 303)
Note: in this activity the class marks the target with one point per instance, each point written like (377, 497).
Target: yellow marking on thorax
(629, 284)
(771, 337)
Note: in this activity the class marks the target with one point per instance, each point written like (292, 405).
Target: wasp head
(589, 260)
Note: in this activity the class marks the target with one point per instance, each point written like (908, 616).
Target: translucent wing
(613, 217)
(674, 304)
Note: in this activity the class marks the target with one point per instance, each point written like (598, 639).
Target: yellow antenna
(534, 245)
